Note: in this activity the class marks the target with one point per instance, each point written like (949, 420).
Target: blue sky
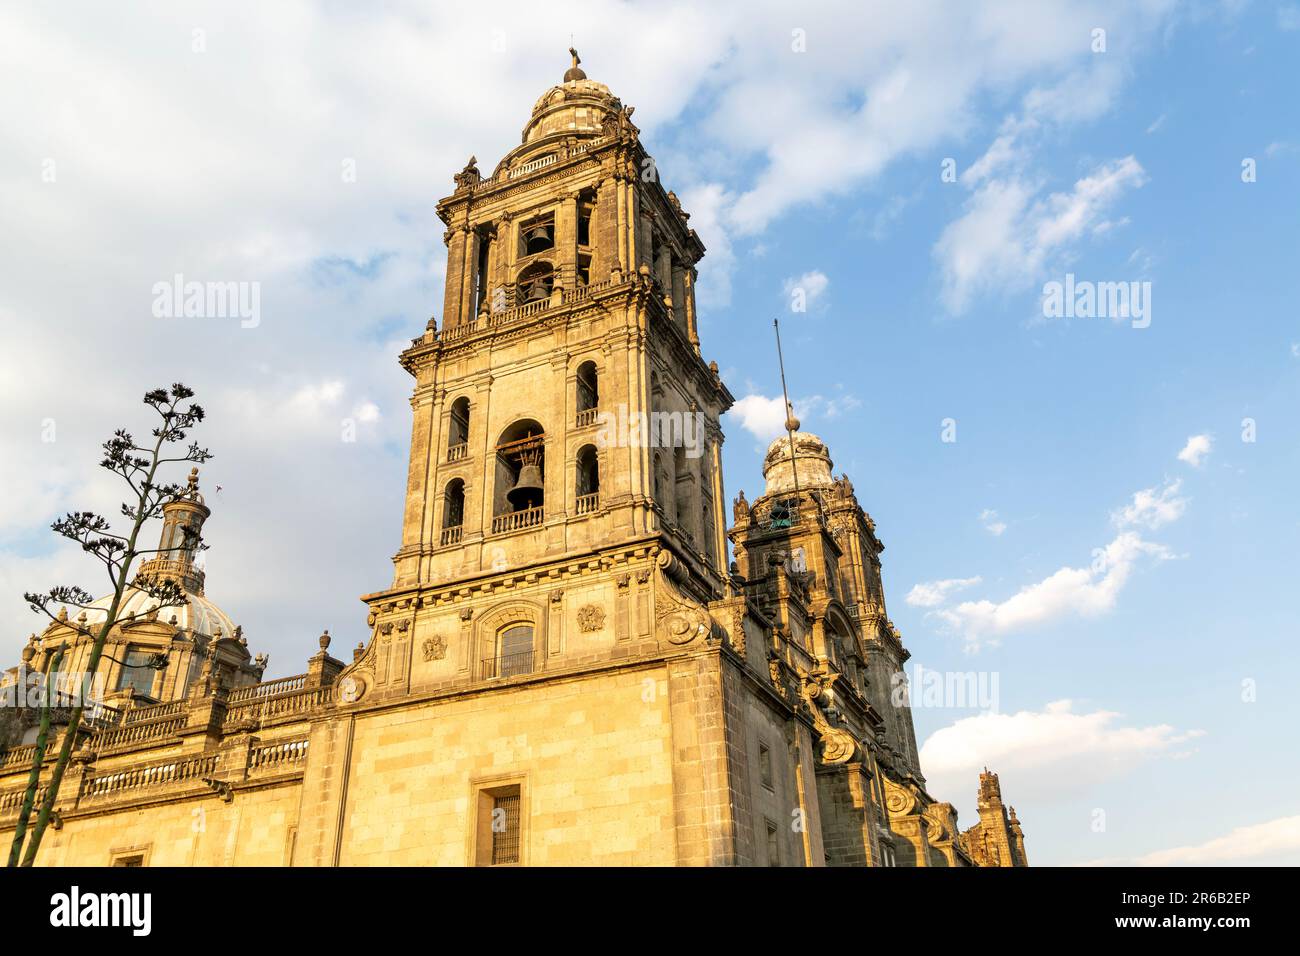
(1121, 732)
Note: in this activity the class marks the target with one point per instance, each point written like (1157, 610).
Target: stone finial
(29, 651)
(63, 614)
(239, 635)
(359, 651)
(325, 640)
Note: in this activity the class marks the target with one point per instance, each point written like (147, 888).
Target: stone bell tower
(564, 407)
(563, 412)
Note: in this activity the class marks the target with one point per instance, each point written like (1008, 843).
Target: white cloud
(1152, 508)
(934, 593)
(1258, 842)
(1069, 591)
(1196, 450)
(1007, 237)
(1082, 592)
(1042, 754)
(808, 287)
(764, 417)
(878, 93)
(1288, 18)
(992, 525)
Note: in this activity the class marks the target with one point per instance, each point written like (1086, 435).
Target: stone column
(621, 224)
(849, 815)
(322, 812)
(688, 307)
(469, 267)
(706, 829)
(454, 288)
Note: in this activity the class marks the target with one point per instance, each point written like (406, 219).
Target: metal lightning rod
(791, 423)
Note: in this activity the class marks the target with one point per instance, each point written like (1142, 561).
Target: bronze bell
(527, 492)
(537, 237)
(537, 291)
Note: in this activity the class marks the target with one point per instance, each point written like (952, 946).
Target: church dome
(199, 616)
(811, 462)
(575, 106)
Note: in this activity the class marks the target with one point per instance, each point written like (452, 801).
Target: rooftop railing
(518, 520)
(507, 665)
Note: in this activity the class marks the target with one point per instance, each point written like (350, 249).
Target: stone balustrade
(264, 709)
(519, 313)
(17, 757)
(139, 733)
(518, 520)
(141, 715)
(270, 688)
(279, 755)
(178, 770)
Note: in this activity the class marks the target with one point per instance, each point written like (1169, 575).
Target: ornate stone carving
(838, 745)
(469, 176)
(591, 617)
(435, 648)
(677, 619)
(737, 635)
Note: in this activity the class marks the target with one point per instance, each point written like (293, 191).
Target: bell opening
(523, 461)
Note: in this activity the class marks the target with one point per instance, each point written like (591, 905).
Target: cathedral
(567, 668)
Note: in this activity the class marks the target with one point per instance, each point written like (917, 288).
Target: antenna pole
(791, 423)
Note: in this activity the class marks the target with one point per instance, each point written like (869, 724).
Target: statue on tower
(469, 176)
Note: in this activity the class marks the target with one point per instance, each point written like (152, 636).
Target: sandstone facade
(566, 668)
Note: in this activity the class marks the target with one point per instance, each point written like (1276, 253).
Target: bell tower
(563, 409)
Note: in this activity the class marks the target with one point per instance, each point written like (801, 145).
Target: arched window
(588, 393)
(706, 529)
(681, 490)
(519, 495)
(537, 235)
(453, 511)
(481, 272)
(514, 651)
(458, 433)
(535, 283)
(586, 209)
(135, 672)
(588, 483)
